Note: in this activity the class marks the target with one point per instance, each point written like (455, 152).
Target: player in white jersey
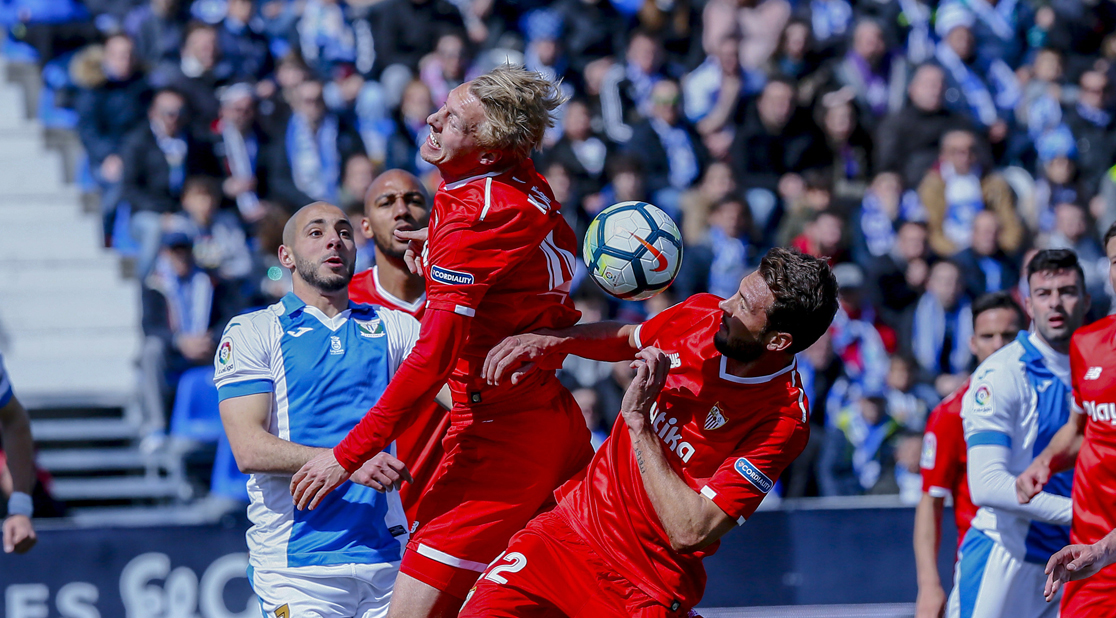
(293, 379)
(15, 428)
(1019, 398)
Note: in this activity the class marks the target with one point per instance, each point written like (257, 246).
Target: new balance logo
(1093, 373)
(302, 330)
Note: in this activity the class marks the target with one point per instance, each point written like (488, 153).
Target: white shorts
(988, 582)
(340, 591)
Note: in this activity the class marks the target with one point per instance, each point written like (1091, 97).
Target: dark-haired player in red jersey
(396, 200)
(499, 261)
(1089, 439)
(997, 319)
(714, 415)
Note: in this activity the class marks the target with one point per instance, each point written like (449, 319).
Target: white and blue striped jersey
(5, 385)
(1019, 398)
(323, 375)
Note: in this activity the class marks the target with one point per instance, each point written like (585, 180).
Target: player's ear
(366, 228)
(286, 256)
(778, 341)
(489, 159)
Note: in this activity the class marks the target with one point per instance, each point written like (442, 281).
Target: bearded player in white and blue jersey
(292, 380)
(1019, 398)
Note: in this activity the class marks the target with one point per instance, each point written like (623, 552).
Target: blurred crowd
(926, 149)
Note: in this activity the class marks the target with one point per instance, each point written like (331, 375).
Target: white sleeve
(402, 333)
(990, 408)
(990, 484)
(242, 364)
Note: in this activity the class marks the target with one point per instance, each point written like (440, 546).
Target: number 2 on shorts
(517, 562)
(283, 612)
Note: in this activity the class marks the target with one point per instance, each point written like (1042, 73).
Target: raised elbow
(687, 542)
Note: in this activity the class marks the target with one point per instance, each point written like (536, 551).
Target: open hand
(520, 355)
(416, 240)
(383, 473)
(318, 477)
(1072, 563)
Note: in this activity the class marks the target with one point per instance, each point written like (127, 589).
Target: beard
(740, 351)
(330, 283)
(388, 247)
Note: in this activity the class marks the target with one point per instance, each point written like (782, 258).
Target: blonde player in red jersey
(714, 415)
(499, 261)
(997, 319)
(397, 201)
(1089, 439)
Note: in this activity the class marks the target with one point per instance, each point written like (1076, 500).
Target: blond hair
(517, 105)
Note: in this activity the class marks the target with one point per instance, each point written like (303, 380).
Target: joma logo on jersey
(450, 277)
(668, 433)
(753, 474)
(1101, 412)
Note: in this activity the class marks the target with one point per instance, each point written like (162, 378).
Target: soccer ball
(633, 250)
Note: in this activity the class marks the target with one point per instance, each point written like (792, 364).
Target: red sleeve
(1077, 364)
(467, 254)
(743, 480)
(941, 457)
(684, 313)
(416, 383)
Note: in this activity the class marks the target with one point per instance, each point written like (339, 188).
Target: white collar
(725, 375)
(464, 181)
(333, 323)
(398, 302)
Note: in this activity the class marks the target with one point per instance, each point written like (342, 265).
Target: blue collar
(1032, 357)
(293, 304)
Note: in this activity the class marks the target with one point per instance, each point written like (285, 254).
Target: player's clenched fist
(1031, 481)
(19, 535)
(651, 367)
(318, 477)
(384, 472)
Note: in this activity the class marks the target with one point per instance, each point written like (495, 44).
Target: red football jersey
(420, 445)
(945, 460)
(728, 437)
(499, 250)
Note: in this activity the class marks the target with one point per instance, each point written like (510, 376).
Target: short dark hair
(1109, 235)
(1053, 260)
(805, 292)
(997, 300)
(203, 184)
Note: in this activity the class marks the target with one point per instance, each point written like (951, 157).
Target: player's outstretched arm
(1075, 562)
(691, 520)
(518, 355)
(927, 538)
(1058, 456)
(15, 426)
(990, 484)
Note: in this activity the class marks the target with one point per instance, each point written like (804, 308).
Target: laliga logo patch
(982, 399)
(753, 474)
(225, 361)
(450, 277)
(929, 451)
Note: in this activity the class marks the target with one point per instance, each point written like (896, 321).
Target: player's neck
(329, 303)
(1061, 347)
(394, 278)
(763, 366)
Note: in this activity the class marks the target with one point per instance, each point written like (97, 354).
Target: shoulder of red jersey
(952, 402)
(519, 193)
(1103, 330)
(684, 317)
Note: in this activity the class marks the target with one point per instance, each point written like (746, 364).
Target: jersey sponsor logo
(300, 331)
(753, 474)
(715, 419)
(982, 399)
(371, 329)
(450, 277)
(539, 200)
(1093, 373)
(929, 451)
(225, 361)
(335, 345)
(1101, 412)
(667, 430)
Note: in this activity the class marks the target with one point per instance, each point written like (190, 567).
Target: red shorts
(1094, 597)
(548, 571)
(501, 467)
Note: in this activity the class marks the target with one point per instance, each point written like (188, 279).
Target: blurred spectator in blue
(238, 143)
(669, 149)
(677, 24)
(411, 130)
(899, 277)
(797, 59)
(1072, 231)
(1044, 90)
(876, 221)
(985, 266)
(589, 401)
(444, 69)
(815, 196)
(819, 368)
(857, 447)
(956, 189)
(773, 145)
(760, 24)
(849, 145)
(307, 158)
(158, 29)
(112, 101)
(409, 30)
(220, 244)
(720, 260)
(158, 156)
(856, 302)
(716, 185)
(1000, 28)
(908, 141)
(592, 30)
(242, 44)
(983, 89)
(325, 37)
(196, 74)
(877, 77)
(52, 27)
(829, 21)
(275, 96)
(1090, 121)
(580, 150)
(545, 53)
(1057, 180)
(626, 89)
(908, 401)
(937, 330)
(713, 91)
(625, 183)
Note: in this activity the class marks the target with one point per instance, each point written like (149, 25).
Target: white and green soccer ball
(633, 250)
